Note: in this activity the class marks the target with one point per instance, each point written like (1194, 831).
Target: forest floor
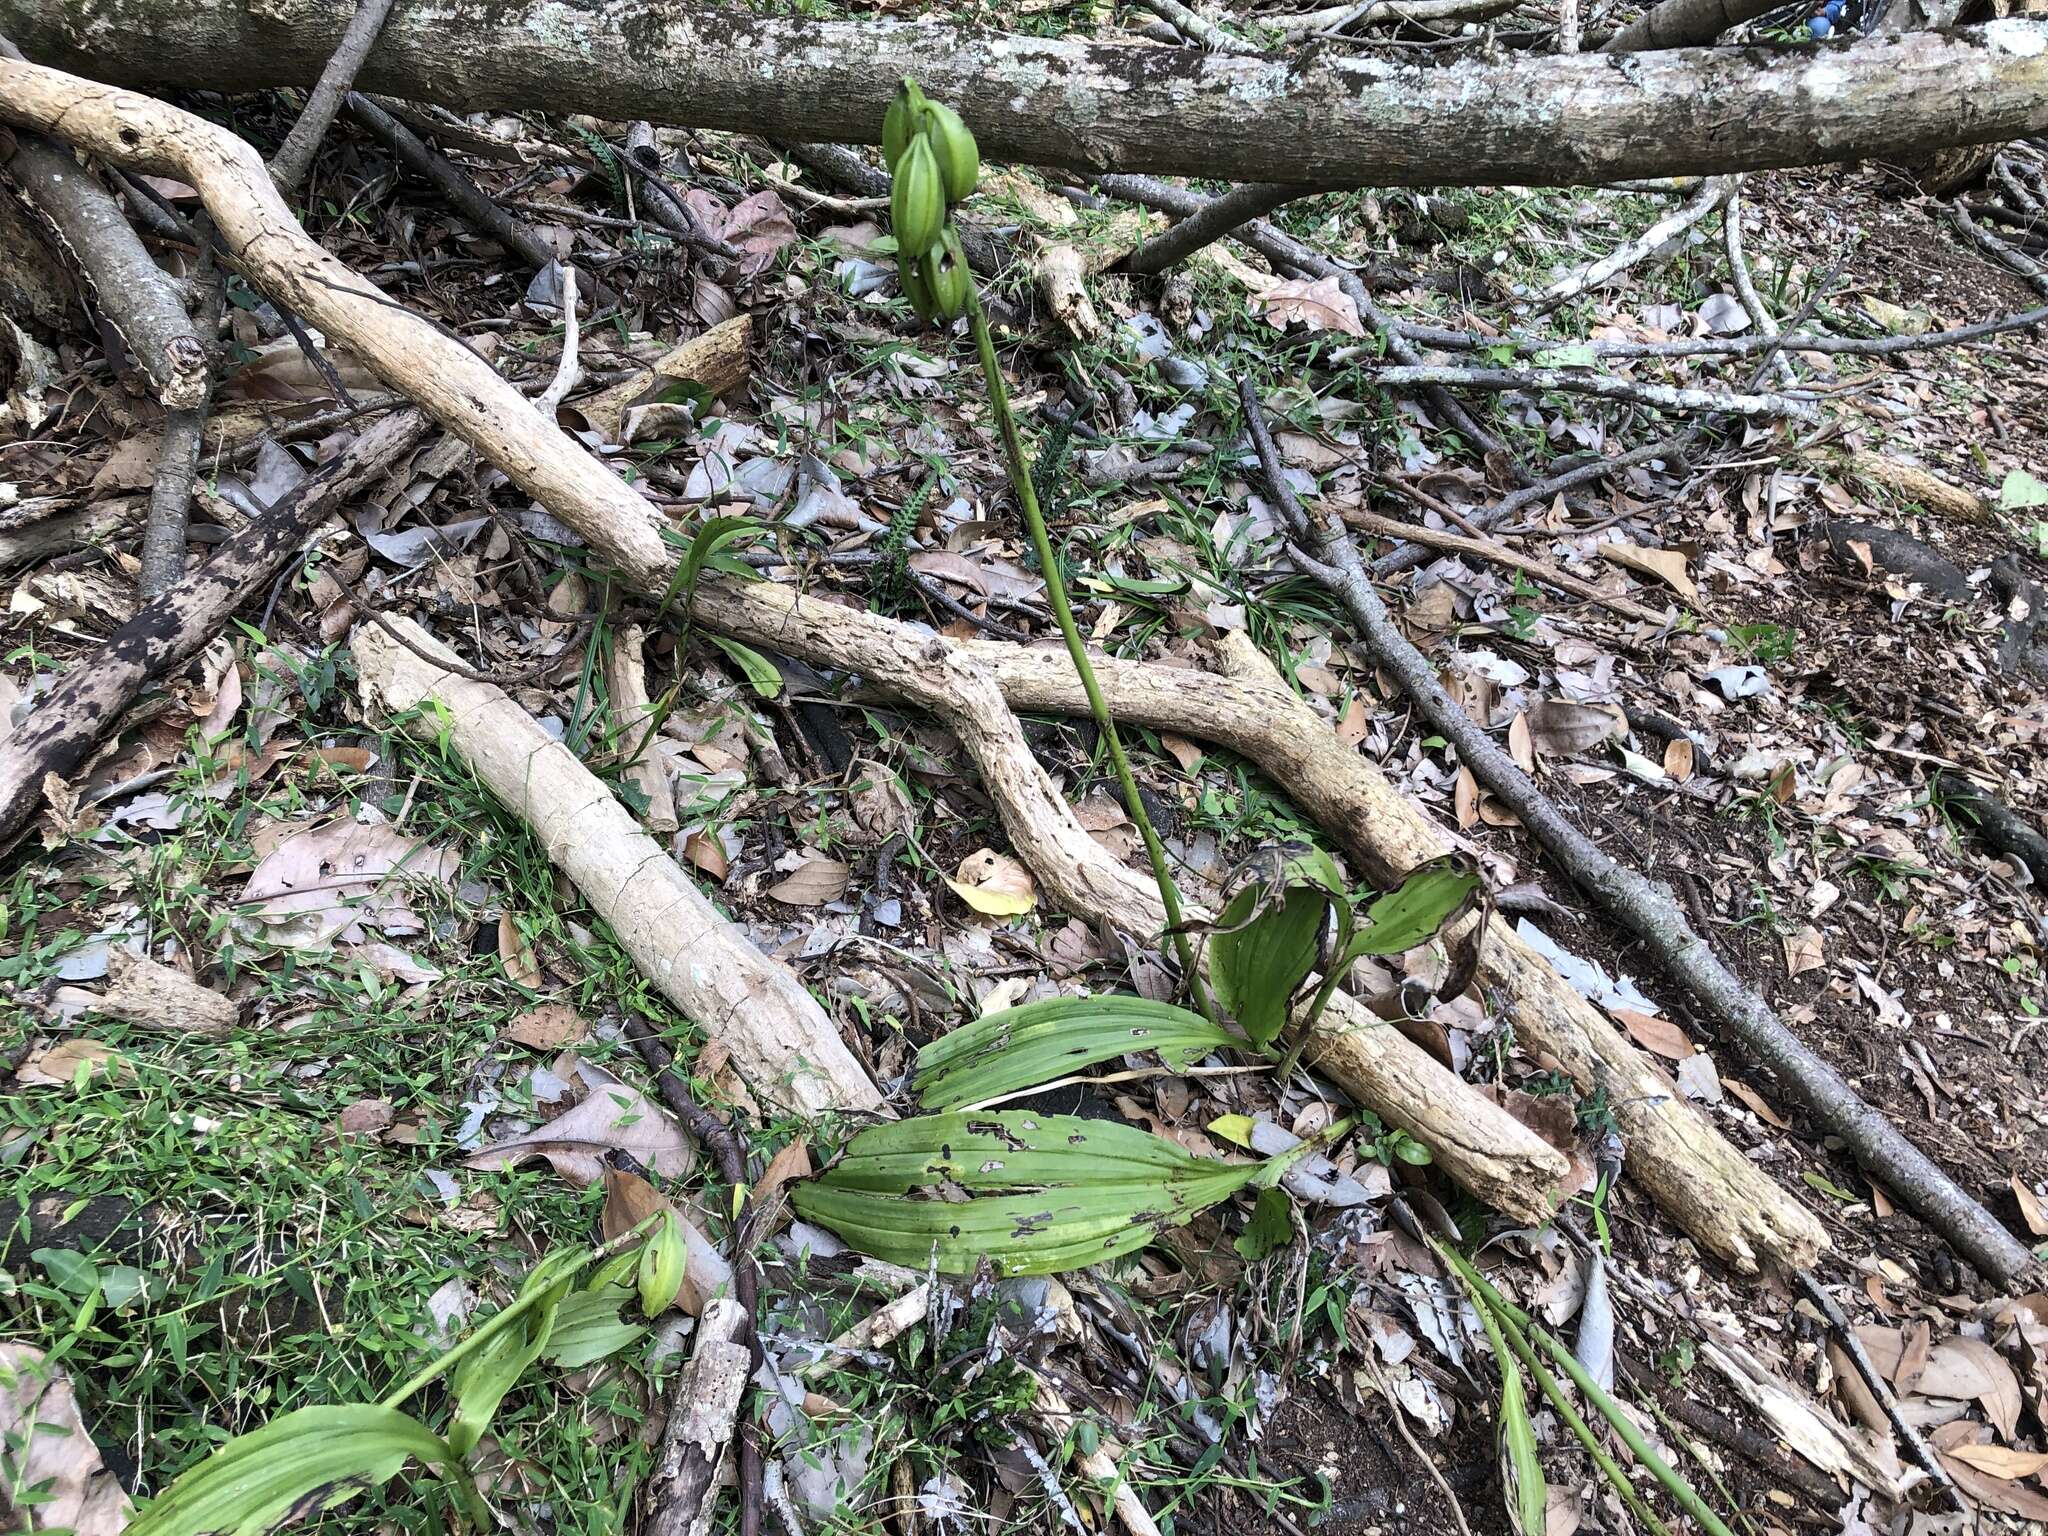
(210, 1226)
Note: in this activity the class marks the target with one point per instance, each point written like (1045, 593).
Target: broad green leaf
(1521, 1468)
(482, 1379)
(762, 674)
(1017, 1048)
(1412, 913)
(294, 1467)
(1043, 1193)
(2020, 489)
(714, 535)
(1263, 950)
(589, 1327)
(1271, 1226)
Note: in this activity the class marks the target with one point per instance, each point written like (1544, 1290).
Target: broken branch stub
(781, 1040)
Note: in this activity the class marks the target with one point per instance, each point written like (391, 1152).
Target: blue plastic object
(1820, 27)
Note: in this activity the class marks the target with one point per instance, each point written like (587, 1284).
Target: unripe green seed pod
(947, 269)
(663, 1259)
(901, 122)
(910, 272)
(917, 203)
(954, 148)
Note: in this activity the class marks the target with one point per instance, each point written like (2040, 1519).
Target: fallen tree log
(1323, 116)
(782, 1041)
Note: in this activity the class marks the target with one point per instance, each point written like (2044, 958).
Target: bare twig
(1195, 27)
(1646, 909)
(294, 157)
(1845, 1338)
(449, 180)
(1666, 397)
(1712, 193)
(1745, 286)
(1213, 222)
(567, 371)
(1999, 250)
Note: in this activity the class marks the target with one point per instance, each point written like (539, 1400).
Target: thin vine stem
(1063, 613)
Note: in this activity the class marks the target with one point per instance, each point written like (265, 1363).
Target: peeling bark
(1320, 117)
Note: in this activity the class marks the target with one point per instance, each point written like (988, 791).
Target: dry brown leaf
(613, 1119)
(1667, 565)
(1522, 742)
(2031, 1210)
(2009, 1497)
(1803, 951)
(994, 884)
(1354, 725)
(44, 1446)
(793, 1161)
(1678, 757)
(1465, 799)
(813, 883)
(1319, 303)
(1659, 1036)
(516, 955)
(707, 853)
(1185, 752)
(630, 1200)
(366, 1117)
(319, 886)
(2002, 1461)
(548, 1027)
(1565, 728)
(57, 1066)
(1758, 1105)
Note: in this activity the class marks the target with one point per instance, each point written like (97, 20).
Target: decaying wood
(64, 528)
(717, 360)
(1916, 484)
(128, 289)
(1683, 24)
(33, 283)
(294, 156)
(1099, 1465)
(141, 991)
(1318, 117)
(1706, 1184)
(700, 1429)
(90, 698)
(783, 1043)
(1477, 1143)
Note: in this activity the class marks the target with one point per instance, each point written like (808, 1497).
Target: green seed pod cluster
(936, 164)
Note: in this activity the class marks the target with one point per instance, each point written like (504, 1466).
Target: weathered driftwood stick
(1648, 910)
(1496, 553)
(1318, 118)
(702, 1412)
(1683, 24)
(1477, 1143)
(128, 289)
(1602, 386)
(90, 699)
(1707, 1184)
(294, 156)
(785, 1045)
(1712, 193)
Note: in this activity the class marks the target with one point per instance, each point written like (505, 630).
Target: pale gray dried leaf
(1561, 728)
(1594, 1347)
(44, 1448)
(612, 1119)
(320, 886)
(1319, 303)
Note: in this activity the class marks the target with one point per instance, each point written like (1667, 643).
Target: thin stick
(1713, 191)
(1845, 1336)
(1195, 27)
(1745, 286)
(448, 179)
(567, 371)
(1077, 650)
(1666, 397)
(1429, 1465)
(1496, 553)
(1240, 205)
(177, 464)
(294, 157)
(1646, 909)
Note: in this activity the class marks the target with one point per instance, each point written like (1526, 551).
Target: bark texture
(1321, 117)
(780, 1039)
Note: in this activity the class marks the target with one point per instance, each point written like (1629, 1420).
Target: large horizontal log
(1322, 116)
